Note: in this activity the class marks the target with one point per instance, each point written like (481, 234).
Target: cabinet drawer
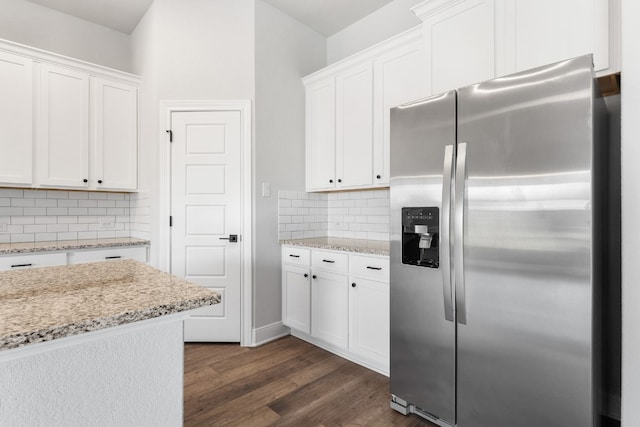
(19, 262)
(330, 261)
(138, 253)
(369, 267)
(297, 256)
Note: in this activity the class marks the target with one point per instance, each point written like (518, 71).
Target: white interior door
(206, 211)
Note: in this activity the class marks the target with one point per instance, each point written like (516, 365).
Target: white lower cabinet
(138, 253)
(330, 308)
(296, 298)
(50, 259)
(369, 320)
(338, 301)
(23, 261)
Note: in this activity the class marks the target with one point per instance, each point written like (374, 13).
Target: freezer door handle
(445, 247)
(458, 232)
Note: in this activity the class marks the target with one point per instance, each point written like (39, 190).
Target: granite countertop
(362, 246)
(62, 245)
(54, 302)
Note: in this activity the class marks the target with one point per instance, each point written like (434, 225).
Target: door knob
(232, 238)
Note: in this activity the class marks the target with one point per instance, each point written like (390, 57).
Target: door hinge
(170, 221)
(170, 132)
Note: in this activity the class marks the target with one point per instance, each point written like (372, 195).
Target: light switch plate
(106, 223)
(266, 189)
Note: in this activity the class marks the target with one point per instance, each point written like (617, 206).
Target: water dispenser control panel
(420, 236)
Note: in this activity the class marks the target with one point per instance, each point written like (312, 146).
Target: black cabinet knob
(99, 181)
(331, 181)
(339, 180)
(314, 277)
(306, 275)
(378, 176)
(85, 180)
(353, 285)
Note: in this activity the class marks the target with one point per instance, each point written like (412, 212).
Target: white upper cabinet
(354, 126)
(321, 134)
(399, 77)
(347, 115)
(460, 40)
(115, 126)
(66, 123)
(16, 119)
(63, 128)
(547, 31)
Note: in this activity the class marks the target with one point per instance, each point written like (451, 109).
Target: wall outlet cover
(3, 227)
(106, 223)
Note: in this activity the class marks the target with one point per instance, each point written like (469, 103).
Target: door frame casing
(246, 175)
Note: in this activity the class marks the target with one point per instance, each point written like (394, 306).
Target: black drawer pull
(294, 256)
(306, 275)
(374, 268)
(21, 265)
(328, 260)
(113, 257)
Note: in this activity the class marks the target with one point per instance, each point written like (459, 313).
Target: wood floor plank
(288, 382)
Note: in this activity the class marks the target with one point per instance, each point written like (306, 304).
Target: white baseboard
(268, 333)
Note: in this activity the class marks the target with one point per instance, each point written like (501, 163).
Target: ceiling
(327, 17)
(324, 16)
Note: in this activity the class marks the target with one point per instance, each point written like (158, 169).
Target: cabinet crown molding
(429, 8)
(40, 55)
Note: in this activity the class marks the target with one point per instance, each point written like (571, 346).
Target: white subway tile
(87, 203)
(10, 192)
(78, 227)
(78, 211)
(88, 235)
(46, 219)
(97, 211)
(18, 220)
(106, 234)
(5, 238)
(40, 228)
(115, 196)
(297, 234)
(11, 211)
(284, 219)
(57, 228)
(57, 211)
(35, 194)
(106, 203)
(22, 238)
(97, 196)
(5, 201)
(78, 195)
(35, 211)
(67, 203)
(22, 203)
(284, 203)
(46, 203)
(55, 194)
(283, 235)
(68, 220)
(46, 237)
(67, 236)
(87, 219)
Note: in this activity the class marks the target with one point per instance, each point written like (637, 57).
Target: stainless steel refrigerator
(496, 249)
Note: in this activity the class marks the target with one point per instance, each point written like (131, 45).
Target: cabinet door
(369, 320)
(330, 308)
(63, 131)
(21, 262)
(16, 119)
(115, 128)
(296, 298)
(400, 76)
(547, 31)
(138, 253)
(321, 135)
(354, 126)
(460, 44)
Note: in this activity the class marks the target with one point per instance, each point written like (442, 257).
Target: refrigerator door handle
(458, 232)
(445, 247)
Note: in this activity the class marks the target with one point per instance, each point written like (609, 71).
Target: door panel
(205, 205)
(525, 354)
(422, 340)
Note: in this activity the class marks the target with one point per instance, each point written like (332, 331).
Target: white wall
(630, 214)
(286, 50)
(35, 25)
(385, 22)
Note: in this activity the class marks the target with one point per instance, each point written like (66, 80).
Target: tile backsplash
(349, 214)
(43, 215)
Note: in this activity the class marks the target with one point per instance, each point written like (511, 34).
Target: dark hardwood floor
(287, 382)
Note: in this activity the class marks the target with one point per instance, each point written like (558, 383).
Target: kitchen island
(94, 344)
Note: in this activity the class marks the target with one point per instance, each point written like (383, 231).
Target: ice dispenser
(420, 236)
